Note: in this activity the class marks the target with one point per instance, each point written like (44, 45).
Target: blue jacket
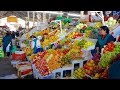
(6, 41)
(114, 71)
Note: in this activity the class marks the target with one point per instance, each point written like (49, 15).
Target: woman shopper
(103, 39)
(7, 43)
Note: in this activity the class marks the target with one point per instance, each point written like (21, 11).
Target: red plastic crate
(18, 56)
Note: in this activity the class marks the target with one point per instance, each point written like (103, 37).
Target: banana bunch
(79, 73)
(98, 25)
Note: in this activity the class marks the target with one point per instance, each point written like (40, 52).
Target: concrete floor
(6, 68)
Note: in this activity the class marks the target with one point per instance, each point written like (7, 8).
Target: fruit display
(27, 36)
(106, 59)
(74, 35)
(28, 50)
(85, 43)
(98, 25)
(97, 76)
(89, 67)
(117, 48)
(79, 73)
(91, 32)
(80, 26)
(43, 67)
(96, 58)
(110, 22)
(50, 38)
(109, 48)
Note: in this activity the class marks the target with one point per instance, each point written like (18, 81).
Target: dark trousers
(8, 54)
(94, 51)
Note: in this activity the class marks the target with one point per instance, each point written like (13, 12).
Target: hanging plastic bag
(14, 48)
(8, 47)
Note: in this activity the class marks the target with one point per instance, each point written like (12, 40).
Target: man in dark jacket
(114, 71)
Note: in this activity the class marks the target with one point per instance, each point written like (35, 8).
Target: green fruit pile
(117, 48)
(79, 73)
(106, 59)
(66, 59)
(81, 43)
(109, 57)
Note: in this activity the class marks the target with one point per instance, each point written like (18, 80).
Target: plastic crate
(65, 69)
(57, 74)
(18, 56)
(14, 63)
(35, 72)
(78, 63)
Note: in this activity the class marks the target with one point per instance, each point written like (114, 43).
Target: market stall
(67, 50)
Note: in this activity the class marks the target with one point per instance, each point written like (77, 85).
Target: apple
(89, 64)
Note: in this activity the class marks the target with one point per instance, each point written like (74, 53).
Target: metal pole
(28, 18)
(33, 18)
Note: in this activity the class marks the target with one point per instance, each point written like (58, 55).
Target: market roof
(23, 14)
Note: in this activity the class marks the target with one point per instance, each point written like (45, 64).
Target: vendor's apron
(35, 48)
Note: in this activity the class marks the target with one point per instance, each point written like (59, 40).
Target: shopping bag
(8, 48)
(2, 54)
(14, 48)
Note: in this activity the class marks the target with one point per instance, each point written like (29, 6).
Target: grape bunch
(96, 58)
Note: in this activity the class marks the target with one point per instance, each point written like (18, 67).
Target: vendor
(36, 44)
(103, 39)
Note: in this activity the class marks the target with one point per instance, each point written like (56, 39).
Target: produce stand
(71, 41)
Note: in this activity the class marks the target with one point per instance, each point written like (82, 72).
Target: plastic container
(77, 64)
(14, 63)
(57, 74)
(68, 69)
(19, 56)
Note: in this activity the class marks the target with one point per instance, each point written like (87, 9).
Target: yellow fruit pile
(88, 33)
(54, 62)
(28, 50)
(28, 36)
(32, 56)
(79, 73)
(47, 31)
(52, 37)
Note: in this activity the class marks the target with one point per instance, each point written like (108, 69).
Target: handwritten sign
(116, 13)
(12, 19)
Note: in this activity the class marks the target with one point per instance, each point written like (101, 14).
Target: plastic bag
(14, 48)
(8, 48)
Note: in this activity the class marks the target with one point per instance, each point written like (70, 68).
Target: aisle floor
(6, 68)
